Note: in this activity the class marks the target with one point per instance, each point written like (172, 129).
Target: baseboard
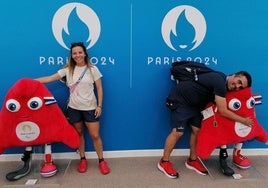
(129, 153)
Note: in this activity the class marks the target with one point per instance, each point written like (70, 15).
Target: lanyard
(72, 87)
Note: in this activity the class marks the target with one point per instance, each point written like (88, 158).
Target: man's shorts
(81, 115)
(185, 116)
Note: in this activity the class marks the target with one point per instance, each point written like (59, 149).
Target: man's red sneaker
(104, 168)
(196, 165)
(82, 167)
(167, 168)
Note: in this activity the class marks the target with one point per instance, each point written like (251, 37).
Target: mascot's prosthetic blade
(217, 130)
(29, 117)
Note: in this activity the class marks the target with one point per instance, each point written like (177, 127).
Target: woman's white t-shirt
(83, 96)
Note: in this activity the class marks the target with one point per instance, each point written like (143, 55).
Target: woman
(84, 108)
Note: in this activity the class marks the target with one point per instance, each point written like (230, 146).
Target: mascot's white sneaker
(49, 168)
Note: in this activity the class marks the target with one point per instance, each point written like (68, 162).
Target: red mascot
(217, 130)
(30, 117)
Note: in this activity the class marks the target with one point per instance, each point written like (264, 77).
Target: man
(192, 98)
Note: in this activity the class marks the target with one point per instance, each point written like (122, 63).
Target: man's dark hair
(246, 74)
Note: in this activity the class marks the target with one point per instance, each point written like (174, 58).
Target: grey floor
(140, 172)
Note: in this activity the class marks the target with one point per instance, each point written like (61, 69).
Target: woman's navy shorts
(81, 115)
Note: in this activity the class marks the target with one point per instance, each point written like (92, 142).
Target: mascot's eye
(35, 103)
(234, 104)
(250, 103)
(12, 105)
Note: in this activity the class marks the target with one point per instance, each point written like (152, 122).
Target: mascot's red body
(217, 130)
(30, 116)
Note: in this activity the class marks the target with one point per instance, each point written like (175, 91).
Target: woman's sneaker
(167, 168)
(82, 167)
(104, 168)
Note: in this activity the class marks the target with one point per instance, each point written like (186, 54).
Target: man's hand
(248, 121)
